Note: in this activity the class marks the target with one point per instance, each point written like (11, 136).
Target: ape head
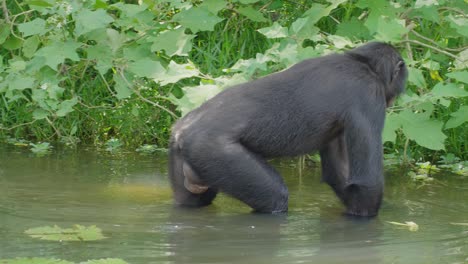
(387, 63)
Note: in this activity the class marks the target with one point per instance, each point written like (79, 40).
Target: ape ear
(400, 64)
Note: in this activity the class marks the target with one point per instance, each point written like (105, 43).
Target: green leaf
(423, 3)
(57, 52)
(12, 43)
(461, 76)
(4, 31)
(416, 77)
(390, 29)
(114, 39)
(20, 82)
(460, 24)
(197, 19)
(303, 28)
(39, 114)
(353, 29)
(461, 62)
(275, 31)
(135, 51)
(448, 90)
(424, 131)
(75, 233)
(34, 261)
(87, 20)
(176, 72)
(121, 87)
(103, 57)
(130, 10)
(340, 42)
(316, 12)
(105, 261)
(392, 123)
(30, 46)
(458, 118)
(17, 66)
(252, 14)
(214, 6)
(194, 96)
(35, 27)
(147, 68)
(173, 42)
(66, 107)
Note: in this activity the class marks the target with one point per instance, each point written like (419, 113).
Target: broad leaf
(458, 118)
(76, 233)
(30, 46)
(426, 132)
(252, 14)
(87, 20)
(121, 87)
(461, 76)
(416, 77)
(147, 68)
(57, 52)
(103, 57)
(448, 90)
(422, 3)
(35, 27)
(392, 123)
(390, 29)
(461, 62)
(197, 19)
(176, 72)
(66, 106)
(214, 6)
(275, 31)
(34, 261)
(173, 42)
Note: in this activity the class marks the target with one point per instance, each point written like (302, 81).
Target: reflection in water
(127, 195)
(197, 236)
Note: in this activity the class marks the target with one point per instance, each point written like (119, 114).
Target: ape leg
(233, 169)
(187, 190)
(335, 165)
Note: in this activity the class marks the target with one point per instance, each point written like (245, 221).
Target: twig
(20, 125)
(435, 43)
(5, 12)
(454, 10)
(433, 48)
(408, 45)
(107, 85)
(52, 125)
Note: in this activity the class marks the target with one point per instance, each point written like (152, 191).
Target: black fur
(333, 104)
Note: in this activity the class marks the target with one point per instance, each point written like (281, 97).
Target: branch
(435, 43)
(5, 12)
(433, 48)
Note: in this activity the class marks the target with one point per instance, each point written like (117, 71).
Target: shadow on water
(127, 195)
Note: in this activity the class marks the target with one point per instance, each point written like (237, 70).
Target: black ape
(334, 104)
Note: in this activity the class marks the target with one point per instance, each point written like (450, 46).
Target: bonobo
(333, 104)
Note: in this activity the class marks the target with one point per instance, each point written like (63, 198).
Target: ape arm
(335, 165)
(364, 188)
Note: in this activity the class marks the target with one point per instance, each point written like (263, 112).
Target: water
(127, 195)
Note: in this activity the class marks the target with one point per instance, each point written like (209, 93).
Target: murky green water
(128, 197)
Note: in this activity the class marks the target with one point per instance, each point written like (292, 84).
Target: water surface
(127, 195)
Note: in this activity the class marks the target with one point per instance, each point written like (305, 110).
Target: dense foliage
(94, 70)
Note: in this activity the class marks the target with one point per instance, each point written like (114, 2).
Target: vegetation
(122, 72)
